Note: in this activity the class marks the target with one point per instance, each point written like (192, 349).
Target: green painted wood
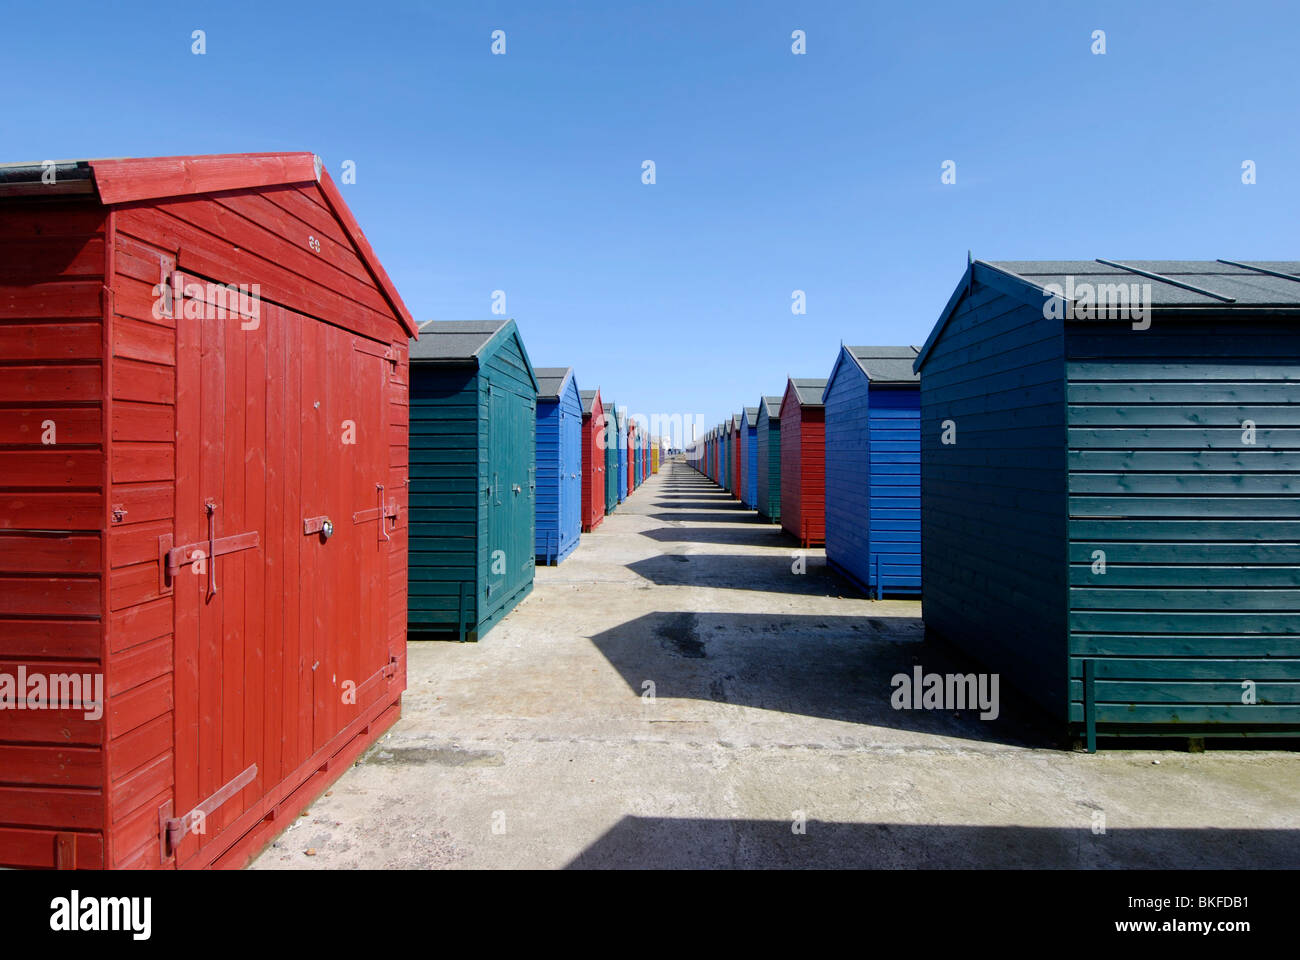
(1200, 668)
(993, 505)
(1086, 439)
(1188, 484)
(1186, 575)
(1191, 716)
(1101, 644)
(472, 465)
(1163, 621)
(1183, 553)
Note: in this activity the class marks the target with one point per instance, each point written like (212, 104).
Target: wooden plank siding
(140, 758)
(510, 454)
(873, 480)
(610, 441)
(621, 430)
(472, 452)
(201, 685)
(444, 496)
(559, 474)
(593, 465)
(1199, 530)
(749, 458)
(54, 466)
(993, 504)
(769, 462)
(803, 468)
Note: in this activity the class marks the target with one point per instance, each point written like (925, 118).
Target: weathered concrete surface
(536, 748)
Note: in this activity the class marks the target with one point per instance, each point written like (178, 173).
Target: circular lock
(327, 529)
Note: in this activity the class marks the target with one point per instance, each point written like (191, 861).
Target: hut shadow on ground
(719, 514)
(837, 668)
(769, 573)
(686, 501)
(755, 535)
(662, 843)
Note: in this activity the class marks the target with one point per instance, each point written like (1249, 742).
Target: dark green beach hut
(1110, 460)
(472, 434)
(610, 435)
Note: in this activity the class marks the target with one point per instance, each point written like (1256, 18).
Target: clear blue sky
(775, 172)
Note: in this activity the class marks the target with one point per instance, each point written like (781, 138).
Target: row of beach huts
(1090, 471)
(509, 465)
(233, 474)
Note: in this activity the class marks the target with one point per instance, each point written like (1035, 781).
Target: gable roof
(588, 398)
(886, 364)
(880, 365)
(128, 179)
(456, 341)
(1177, 287)
(465, 343)
(808, 390)
(773, 405)
(751, 416)
(551, 381)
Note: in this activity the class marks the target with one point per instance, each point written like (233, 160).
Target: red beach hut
(803, 461)
(203, 396)
(593, 460)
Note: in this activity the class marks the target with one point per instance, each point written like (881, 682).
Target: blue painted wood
(620, 419)
(749, 456)
(559, 473)
(873, 479)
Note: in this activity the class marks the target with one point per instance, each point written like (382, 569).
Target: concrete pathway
(674, 695)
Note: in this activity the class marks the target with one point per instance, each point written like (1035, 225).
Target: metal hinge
(172, 830)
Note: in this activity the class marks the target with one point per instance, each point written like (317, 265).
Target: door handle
(211, 506)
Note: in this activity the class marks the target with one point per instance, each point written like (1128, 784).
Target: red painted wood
(51, 553)
(803, 469)
(50, 341)
(340, 209)
(55, 300)
(127, 180)
(36, 849)
(593, 466)
(43, 258)
(53, 597)
(155, 416)
(52, 765)
(51, 384)
(73, 425)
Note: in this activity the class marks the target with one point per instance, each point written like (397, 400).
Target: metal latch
(383, 512)
(171, 559)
